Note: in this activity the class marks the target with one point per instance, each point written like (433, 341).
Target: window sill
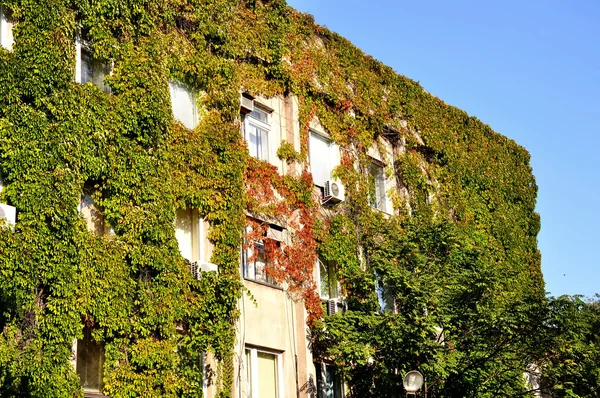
(277, 287)
(93, 394)
(384, 212)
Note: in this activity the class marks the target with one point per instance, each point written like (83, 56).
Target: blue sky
(531, 70)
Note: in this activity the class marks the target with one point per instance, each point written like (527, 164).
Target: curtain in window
(267, 374)
(257, 142)
(320, 159)
(261, 374)
(183, 104)
(6, 29)
(184, 233)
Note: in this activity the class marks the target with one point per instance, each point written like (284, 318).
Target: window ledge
(385, 213)
(264, 283)
(93, 394)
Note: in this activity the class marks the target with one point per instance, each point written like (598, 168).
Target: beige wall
(271, 321)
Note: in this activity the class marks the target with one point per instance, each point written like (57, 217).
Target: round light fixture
(413, 381)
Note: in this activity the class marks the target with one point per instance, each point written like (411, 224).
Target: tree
(571, 366)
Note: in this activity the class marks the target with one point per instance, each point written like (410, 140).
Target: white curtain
(257, 142)
(183, 104)
(320, 159)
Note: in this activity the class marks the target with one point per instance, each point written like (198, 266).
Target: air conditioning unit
(246, 104)
(198, 267)
(335, 306)
(333, 192)
(8, 214)
(194, 270)
(209, 267)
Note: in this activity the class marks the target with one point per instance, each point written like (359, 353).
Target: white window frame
(261, 152)
(252, 385)
(193, 107)
(6, 27)
(80, 47)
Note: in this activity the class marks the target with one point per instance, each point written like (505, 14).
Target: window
(90, 70)
(263, 374)
(255, 260)
(378, 197)
(183, 104)
(321, 162)
(191, 232)
(6, 28)
(329, 381)
(8, 214)
(93, 214)
(328, 280)
(385, 296)
(89, 360)
(256, 132)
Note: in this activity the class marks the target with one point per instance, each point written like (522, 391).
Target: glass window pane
(250, 264)
(93, 71)
(385, 295)
(264, 145)
(324, 275)
(333, 280)
(249, 373)
(253, 141)
(378, 189)
(90, 361)
(329, 381)
(260, 114)
(86, 67)
(257, 139)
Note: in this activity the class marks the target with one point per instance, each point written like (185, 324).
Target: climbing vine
(459, 254)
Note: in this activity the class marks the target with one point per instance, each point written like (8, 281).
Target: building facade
(242, 206)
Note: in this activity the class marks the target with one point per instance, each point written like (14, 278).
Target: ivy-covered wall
(460, 254)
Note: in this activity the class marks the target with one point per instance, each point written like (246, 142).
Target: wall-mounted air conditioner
(246, 104)
(335, 306)
(198, 267)
(209, 267)
(8, 214)
(333, 192)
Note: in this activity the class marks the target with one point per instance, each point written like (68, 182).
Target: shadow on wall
(310, 387)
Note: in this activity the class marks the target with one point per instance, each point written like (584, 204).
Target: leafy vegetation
(572, 348)
(458, 261)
